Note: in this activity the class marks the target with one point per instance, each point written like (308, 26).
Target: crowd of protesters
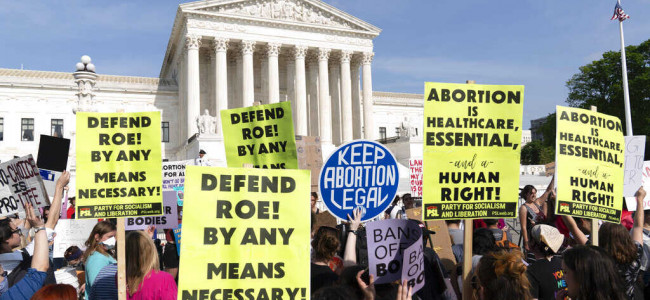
(553, 260)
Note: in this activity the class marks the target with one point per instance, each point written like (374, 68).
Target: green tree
(531, 153)
(599, 83)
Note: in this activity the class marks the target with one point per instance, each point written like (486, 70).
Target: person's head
(314, 198)
(55, 292)
(201, 153)
(408, 201)
(395, 200)
(326, 243)
(590, 274)
(72, 200)
(528, 193)
(502, 275)
(454, 223)
(141, 258)
(9, 234)
(546, 240)
(334, 292)
(617, 242)
(483, 242)
(491, 223)
(101, 239)
(73, 255)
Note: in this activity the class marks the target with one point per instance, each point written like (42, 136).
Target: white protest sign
(415, 165)
(20, 182)
(631, 201)
(634, 154)
(71, 232)
(173, 174)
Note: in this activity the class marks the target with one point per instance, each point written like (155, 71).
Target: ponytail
(503, 276)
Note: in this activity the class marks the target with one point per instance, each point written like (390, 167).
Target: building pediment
(308, 12)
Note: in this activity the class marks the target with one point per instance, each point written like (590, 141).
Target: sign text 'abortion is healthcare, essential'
(360, 174)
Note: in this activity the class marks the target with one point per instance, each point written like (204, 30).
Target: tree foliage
(600, 83)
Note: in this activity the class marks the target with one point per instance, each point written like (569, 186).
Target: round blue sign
(361, 174)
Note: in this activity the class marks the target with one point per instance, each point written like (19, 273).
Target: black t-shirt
(321, 276)
(546, 278)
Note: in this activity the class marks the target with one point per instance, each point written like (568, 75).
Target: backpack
(504, 243)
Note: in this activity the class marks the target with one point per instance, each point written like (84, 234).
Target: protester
(170, 258)
(502, 275)
(545, 274)
(35, 277)
(314, 202)
(17, 263)
(100, 245)
(393, 210)
(144, 280)
(625, 250)
(56, 292)
(200, 161)
(534, 210)
(499, 234)
(71, 208)
(483, 244)
(455, 232)
(69, 274)
(350, 254)
(325, 245)
(590, 274)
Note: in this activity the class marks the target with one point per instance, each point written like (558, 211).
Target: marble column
(272, 51)
(324, 101)
(312, 94)
(239, 77)
(301, 91)
(346, 96)
(335, 95)
(368, 122)
(356, 100)
(193, 43)
(221, 78)
(291, 87)
(248, 78)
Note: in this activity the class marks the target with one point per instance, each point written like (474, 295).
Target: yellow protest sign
(245, 234)
(118, 165)
(471, 150)
(260, 135)
(589, 158)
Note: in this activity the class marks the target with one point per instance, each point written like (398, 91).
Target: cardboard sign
(169, 220)
(360, 174)
(645, 175)
(310, 157)
(260, 135)
(471, 150)
(415, 166)
(249, 234)
(71, 233)
(634, 155)
(21, 183)
(589, 157)
(389, 251)
(53, 153)
(550, 169)
(441, 239)
(118, 165)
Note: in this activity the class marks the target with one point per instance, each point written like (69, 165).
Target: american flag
(619, 13)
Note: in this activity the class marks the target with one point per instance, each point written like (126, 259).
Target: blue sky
(539, 44)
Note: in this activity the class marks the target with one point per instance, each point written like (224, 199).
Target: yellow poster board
(118, 165)
(589, 164)
(472, 136)
(246, 234)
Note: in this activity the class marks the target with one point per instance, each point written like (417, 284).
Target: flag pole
(626, 92)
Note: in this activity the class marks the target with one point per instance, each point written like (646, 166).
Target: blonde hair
(141, 258)
(92, 244)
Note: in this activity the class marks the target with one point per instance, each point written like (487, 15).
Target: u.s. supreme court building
(226, 54)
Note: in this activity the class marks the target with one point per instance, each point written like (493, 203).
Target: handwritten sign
(71, 232)
(415, 166)
(21, 183)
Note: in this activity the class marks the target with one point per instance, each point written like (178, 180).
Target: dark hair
(595, 273)
(72, 253)
(313, 220)
(452, 221)
(523, 193)
(335, 292)
(5, 230)
(325, 243)
(349, 278)
(56, 292)
(395, 200)
(484, 242)
(503, 276)
(315, 195)
(617, 242)
(490, 222)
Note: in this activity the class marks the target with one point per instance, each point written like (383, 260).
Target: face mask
(109, 243)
